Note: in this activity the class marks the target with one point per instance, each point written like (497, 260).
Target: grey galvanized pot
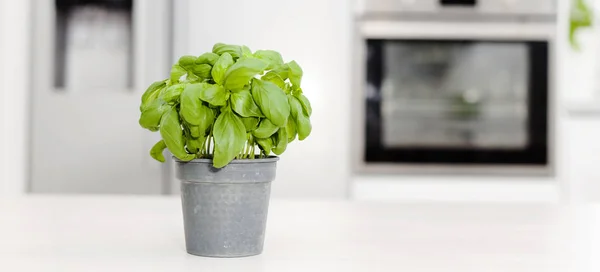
(225, 210)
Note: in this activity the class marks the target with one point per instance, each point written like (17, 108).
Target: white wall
(14, 90)
(316, 34)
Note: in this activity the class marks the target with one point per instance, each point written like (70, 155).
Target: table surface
(91, 233)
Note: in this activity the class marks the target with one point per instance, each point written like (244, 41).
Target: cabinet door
(583, 160)
(92, 60)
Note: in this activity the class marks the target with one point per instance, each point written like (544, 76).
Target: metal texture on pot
(225, 210)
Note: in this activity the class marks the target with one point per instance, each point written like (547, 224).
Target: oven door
(454, 97)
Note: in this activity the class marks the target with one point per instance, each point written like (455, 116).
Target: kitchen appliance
(454, 86)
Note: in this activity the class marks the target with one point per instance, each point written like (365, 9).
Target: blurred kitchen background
(449, 100)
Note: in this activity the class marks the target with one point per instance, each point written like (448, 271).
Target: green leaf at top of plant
(230, 137)
(291, 130)
(282, 71)
(265, 129)
(157, 151)
(214, 94)
(223, 63)
(280, 140)
(295, 73)
(202, 70)
(172, 93)
(246, 52)
(176, 73)
(152, 114)
(266, 144)
(240, 74)
(275, 78)
(187, 62)
(151, 93)
(207, 58)
(271, 100)
(170, 131)
(243, 104)
(273, 58)
(234, 50)
(251, 123)
(306, 107)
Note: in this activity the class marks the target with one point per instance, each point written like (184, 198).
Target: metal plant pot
(225, 210)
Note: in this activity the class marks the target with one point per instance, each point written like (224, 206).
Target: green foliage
(227, 104)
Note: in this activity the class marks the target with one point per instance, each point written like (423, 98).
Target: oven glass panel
(456, 101)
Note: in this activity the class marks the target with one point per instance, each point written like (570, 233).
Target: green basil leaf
(202, 70)
(152, 114)
(303, 126)
(172, 93)
(187, 62)
(157, 151)
(234, 50)
(306, 107)
(220, 68)
(239, 74)
(170, 131)
(195, 131)
(193, 145)
(191, 104)
(266, 144)
(280, 140)
(295, 106)
(272, 101)
(151, 93)
(250, 123)
(215, 95)
(243, 104)
(246, 52)
(176, 73)
(282, 71)
(207, 118)
(230, 138)
(291, 130)
(207, 58)
(265, 129)
(273, 58)
(295, 73)
(275, 78)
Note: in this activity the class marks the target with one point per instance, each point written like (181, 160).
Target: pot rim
(235, 161)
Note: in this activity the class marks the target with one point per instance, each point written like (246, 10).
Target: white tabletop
(86, 233)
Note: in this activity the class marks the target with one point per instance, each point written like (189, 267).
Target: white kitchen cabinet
(89, 73)
(583, 157)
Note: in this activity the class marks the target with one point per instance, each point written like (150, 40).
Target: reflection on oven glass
(454, 94)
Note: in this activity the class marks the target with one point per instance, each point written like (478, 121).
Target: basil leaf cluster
(227, 104)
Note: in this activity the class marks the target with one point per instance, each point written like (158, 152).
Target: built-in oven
(459, 86)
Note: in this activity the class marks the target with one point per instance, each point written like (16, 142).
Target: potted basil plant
(223, 115)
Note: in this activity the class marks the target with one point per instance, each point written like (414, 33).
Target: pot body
(225, 210)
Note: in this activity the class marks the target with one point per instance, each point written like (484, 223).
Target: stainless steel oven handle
(456, 30)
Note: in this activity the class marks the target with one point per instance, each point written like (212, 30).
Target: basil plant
(227, 104)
